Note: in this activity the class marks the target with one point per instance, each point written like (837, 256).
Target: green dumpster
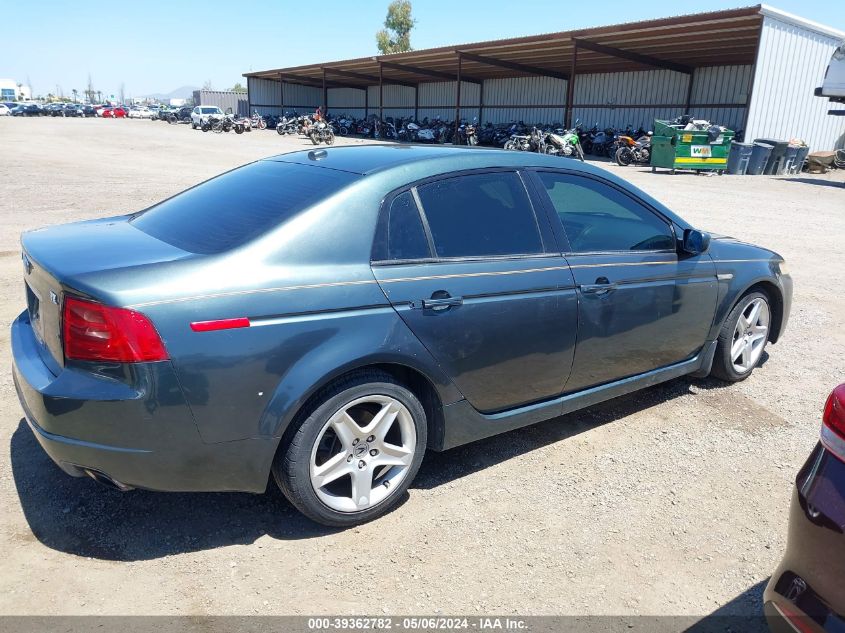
(673, 147)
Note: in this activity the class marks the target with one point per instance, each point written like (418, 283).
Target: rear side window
(405, 234)
(480, 215)
(597, 217)
(239, 206)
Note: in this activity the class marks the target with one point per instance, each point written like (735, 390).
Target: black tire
(314, 138)
(723, 367)
(193, 125)
(280, 130)
(624, 156)
(330, 138)
(291, 467)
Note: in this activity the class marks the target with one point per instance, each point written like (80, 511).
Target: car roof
(369, 159)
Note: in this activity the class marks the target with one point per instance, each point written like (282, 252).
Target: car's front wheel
(743, 338)
(356, 453)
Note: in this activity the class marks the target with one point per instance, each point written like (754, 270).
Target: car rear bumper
(805, 592)
(128, 425)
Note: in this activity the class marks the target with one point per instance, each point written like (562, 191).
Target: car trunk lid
(65, 259)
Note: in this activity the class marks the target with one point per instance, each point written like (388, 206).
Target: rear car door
(473, 273)
(642, 306)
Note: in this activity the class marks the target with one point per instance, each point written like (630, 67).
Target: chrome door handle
(441, 303)
(601, 287)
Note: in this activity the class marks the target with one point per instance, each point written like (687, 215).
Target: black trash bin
(759, 157)
(789, 157)
(775, 165)
(800, 158)
(739, 157)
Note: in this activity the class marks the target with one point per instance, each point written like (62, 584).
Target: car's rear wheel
(743, 338)
(354, 456)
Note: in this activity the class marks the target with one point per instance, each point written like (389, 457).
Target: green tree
(395, 37)
(238, 88)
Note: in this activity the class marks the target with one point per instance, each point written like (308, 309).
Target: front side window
(480, 215)
(597, 217)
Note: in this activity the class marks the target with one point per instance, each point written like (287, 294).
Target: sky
(153, 46)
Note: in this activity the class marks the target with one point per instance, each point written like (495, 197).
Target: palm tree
(74, 91)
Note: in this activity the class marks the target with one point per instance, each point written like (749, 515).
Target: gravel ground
(670, 501)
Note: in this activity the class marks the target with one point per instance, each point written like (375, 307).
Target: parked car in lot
(72, 110)
(4, 110)
(26, 109)
(140, 113)
(87, 110)
(116, 112)
(343, 310)
(201, 114)
(805, 592)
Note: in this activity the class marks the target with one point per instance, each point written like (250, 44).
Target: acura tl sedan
(324, 317)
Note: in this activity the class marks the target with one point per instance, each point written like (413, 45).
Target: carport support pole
(325, 95)
(281, 95)
(380, 93)
(688, 104)
(480, 103)
(457, 101)
(570, 86)
(417, 102)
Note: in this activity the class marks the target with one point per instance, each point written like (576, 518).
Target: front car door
(476, 277)
(642, 306)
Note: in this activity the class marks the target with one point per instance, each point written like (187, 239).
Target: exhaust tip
(105, 480)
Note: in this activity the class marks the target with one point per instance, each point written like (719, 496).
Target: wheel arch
(414, 378)
(775, 295)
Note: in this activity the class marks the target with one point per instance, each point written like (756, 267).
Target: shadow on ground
(816, 181)
(744, 613)
(81, 517)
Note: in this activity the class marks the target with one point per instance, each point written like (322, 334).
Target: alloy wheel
(362, 453)
(750, 335)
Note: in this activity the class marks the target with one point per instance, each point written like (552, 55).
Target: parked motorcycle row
(400, 129)
(624, 146)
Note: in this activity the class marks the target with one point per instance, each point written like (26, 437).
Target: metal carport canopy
(681, 43)
(717, 38)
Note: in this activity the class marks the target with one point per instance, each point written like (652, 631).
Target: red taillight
(96, 332)
(833, 419)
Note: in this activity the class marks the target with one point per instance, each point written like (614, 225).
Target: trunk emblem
(27, 265)
(54, 297)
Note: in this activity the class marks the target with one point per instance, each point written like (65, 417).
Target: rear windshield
(239, 206)
(210, 110)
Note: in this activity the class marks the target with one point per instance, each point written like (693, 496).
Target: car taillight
(833, 422)
(96, 332)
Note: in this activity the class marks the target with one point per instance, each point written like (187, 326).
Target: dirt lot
(670, 501)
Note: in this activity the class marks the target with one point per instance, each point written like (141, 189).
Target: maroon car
(807, 591)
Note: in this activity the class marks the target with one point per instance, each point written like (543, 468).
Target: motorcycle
(631, 151)
(533, 142)
(321, 132)
(467, 133)
(258, 121)
(564, 143)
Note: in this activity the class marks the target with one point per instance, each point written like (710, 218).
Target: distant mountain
(183, 92)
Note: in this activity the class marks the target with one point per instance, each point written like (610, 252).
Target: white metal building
(752, 69)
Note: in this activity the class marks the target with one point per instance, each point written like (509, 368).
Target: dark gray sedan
(327, 316)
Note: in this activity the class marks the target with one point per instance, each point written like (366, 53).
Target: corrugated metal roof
(716, 38)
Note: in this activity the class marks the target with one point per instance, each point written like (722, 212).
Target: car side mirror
(695, 242)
